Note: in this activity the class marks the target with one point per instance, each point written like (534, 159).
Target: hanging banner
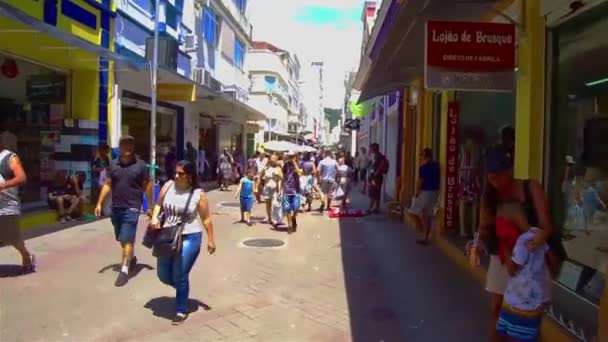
(451, 170)
(471, 56)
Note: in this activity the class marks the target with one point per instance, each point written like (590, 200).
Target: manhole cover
(263, 243)
(230, 204)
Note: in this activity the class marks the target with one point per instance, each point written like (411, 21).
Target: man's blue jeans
(174, 271)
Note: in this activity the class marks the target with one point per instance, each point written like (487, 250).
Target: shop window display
(33, 105)
(578, 170)
(484, 120)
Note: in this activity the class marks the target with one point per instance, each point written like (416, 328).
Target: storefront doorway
(136, 122)
(33, 101)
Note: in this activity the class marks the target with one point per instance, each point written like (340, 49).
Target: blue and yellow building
(55, 89)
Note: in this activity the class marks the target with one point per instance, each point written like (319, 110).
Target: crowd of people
(289, 182)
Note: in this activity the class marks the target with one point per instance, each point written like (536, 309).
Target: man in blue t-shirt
(427, 192)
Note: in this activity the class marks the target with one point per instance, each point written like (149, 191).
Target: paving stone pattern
(334, 280)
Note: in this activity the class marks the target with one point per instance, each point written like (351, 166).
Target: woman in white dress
(271, 175)
(344, 178)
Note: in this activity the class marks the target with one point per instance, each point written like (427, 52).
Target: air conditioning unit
(191, 43)
(198, 75)
(213, 83)
(232, 94)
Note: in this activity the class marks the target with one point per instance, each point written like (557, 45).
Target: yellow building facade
(55, 90)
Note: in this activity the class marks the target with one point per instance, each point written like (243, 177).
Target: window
(172, 17)
(241, 5)
(146, 5)
(578, 175)
(239, 53)
(210, 26)
(269, 83)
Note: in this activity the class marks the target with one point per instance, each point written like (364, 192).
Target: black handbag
(169, 240)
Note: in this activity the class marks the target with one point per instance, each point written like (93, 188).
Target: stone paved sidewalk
(334, 280)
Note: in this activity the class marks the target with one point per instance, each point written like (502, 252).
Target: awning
(216, 103)
(71, 41)
(399, 59)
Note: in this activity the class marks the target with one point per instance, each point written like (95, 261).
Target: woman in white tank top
(174, 270)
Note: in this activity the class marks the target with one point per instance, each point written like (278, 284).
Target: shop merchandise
(470, 188)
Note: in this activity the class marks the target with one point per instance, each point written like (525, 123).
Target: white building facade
(225, 120)
(202, 81)
(275, 89)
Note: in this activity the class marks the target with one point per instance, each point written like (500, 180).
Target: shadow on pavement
(398, 290)
(164, 307)
(371, 316)
(132, 273)
(10, 271)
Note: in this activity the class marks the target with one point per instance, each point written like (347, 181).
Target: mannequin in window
(469, 183)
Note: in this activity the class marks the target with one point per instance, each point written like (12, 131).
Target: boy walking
(246, 191)
(526, 291)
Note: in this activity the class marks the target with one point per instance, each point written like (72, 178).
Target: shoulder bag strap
(185, 211)
(163, 192)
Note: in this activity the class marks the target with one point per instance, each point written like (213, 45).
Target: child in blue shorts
(246, 191)
(525, 296)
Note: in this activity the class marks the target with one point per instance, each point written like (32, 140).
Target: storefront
(54, 92)
(34, 103)
(135, 115)
(576, 160)
(558, 110)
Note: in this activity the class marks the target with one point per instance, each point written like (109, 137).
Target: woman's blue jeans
(174, 271)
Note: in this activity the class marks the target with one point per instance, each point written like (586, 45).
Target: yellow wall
(530, 99)
(85, 88)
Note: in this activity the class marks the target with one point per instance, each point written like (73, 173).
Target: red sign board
(470, 55)
(451, 170)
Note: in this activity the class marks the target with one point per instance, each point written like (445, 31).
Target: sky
(318, 30)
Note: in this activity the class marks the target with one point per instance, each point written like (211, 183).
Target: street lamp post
(153, 82)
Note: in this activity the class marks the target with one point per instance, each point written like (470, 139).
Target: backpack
(5, 170)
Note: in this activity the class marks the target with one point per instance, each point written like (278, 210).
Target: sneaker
(63, 219)
(132, 263)
(122, 279)
(179, 318)
(249, 224)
